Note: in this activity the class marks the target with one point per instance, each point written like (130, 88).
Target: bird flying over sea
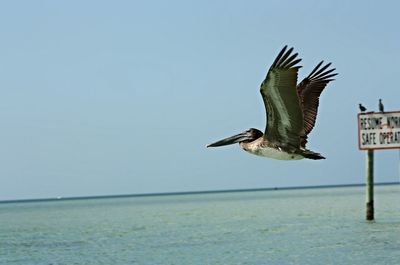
(291, 110)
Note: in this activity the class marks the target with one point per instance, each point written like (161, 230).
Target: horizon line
(192, 192)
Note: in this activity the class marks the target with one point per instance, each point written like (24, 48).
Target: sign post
(370, 185)
(376, 130)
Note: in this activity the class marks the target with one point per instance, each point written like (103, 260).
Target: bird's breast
(256, 148)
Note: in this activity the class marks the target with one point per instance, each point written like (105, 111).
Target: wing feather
(284, 114)
(309, 91)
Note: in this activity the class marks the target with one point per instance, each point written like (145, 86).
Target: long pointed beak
(231, 140)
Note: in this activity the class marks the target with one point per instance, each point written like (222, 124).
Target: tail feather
(312, 155)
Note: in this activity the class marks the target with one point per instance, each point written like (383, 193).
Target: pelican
(291, 111)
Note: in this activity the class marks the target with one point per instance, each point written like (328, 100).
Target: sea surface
(301, 226)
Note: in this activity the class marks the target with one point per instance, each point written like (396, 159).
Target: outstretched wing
(309, 91)
(284, 114)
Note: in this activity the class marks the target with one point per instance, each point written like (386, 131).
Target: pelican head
(246, 136)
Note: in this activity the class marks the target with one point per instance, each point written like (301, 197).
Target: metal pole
(370, 185)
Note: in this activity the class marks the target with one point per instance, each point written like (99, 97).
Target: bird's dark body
(362, 108)
(381, 107)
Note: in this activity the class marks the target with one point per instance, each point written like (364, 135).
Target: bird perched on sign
(381, 107)
(362, 108)
(291, 111)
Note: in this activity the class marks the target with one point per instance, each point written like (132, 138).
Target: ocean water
(307, 226)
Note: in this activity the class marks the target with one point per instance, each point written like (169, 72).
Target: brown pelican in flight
(291, 111)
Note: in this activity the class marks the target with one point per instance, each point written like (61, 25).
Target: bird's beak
(231, 140)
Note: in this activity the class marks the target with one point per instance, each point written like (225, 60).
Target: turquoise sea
(300, 226)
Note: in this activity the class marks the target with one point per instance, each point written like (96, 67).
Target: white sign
(379, 130)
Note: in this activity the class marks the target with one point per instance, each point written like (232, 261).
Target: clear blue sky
(120, 97)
